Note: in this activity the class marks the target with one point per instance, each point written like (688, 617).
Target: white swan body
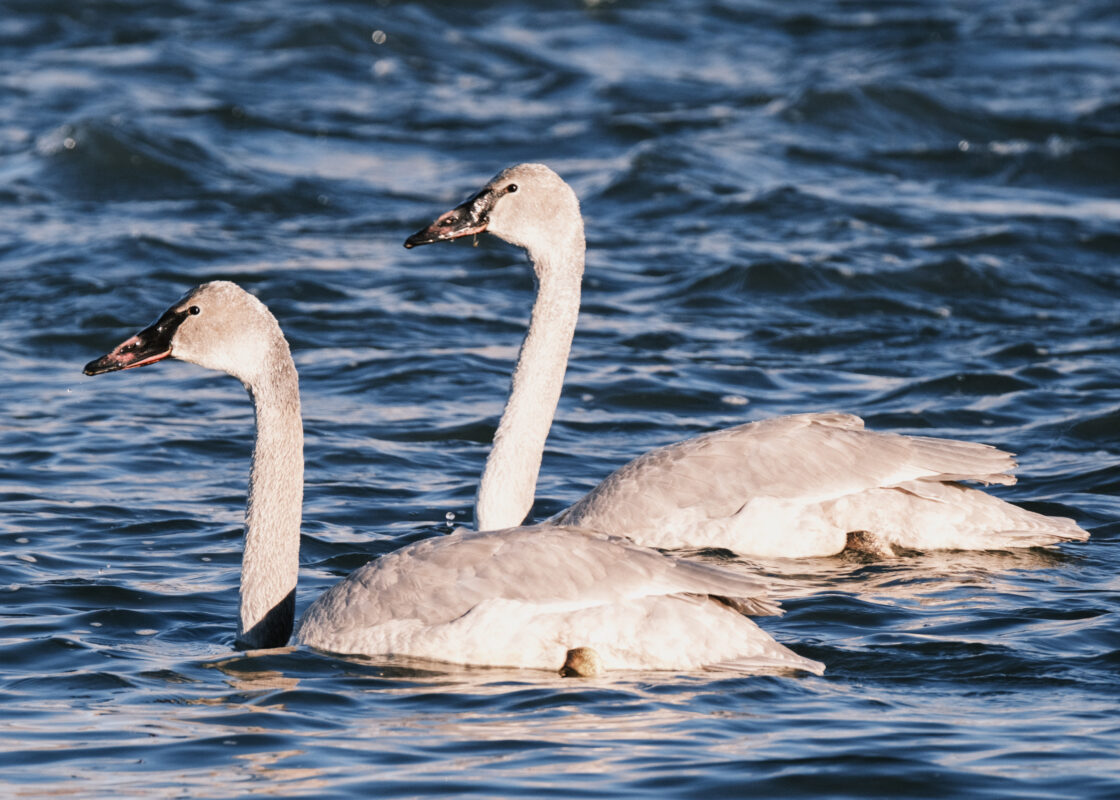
(522, 597)
(790, 487)
(799, 485)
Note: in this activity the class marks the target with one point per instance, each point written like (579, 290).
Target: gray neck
(509, 482)
(270, 564)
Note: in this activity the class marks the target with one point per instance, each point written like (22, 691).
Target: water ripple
(902, 210)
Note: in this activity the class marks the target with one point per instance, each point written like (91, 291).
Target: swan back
(525, 597)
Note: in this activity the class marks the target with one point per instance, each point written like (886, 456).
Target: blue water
(904, 210)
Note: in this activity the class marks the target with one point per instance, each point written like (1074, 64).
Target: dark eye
(511, 188)
(194, 310)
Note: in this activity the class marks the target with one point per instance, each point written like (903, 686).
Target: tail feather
(1062, 529)
(953, 460)
(760, 663)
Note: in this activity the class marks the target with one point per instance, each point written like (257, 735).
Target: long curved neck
(509, 481)
(270, 563)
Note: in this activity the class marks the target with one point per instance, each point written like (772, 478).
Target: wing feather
(445, 577)
(810, 458)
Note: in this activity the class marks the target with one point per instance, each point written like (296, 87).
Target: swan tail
(750, 606)
(1060, 529)
(954, 460)
(743, 593)
(775, 662)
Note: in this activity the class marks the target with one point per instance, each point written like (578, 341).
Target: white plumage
(524, 597)
(791, 486)
(796, 486)
(516, 598)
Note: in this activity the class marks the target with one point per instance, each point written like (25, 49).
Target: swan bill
(146, 347)
(469, 218)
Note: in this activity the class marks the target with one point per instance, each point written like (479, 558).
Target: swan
(522, 597)
(796, 486)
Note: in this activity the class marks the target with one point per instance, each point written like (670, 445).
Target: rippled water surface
(904, 210)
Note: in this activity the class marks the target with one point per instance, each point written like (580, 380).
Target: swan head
(527, 205)
(217, 325)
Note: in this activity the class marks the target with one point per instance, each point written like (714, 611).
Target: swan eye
(194, 310)
(511, 188)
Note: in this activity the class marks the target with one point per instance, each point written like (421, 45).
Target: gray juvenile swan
(523, 597)
(802, 485)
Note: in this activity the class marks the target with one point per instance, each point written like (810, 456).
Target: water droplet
(379, 37)
(69, 143)
(963, 145)
(382, 67)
